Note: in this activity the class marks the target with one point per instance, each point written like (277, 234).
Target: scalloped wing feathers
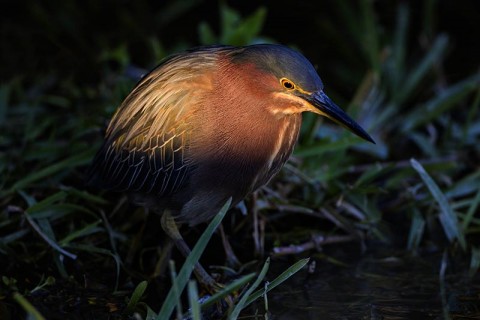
(146, 142)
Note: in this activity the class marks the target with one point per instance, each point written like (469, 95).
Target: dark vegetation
(407, 71)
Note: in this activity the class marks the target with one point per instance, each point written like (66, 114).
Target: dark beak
(326, 107)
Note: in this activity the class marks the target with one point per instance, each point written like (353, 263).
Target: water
(378, 287)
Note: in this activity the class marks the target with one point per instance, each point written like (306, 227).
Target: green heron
(209, 124)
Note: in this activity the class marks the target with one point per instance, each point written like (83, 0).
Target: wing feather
(147, 142)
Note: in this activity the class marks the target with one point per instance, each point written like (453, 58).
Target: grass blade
(82, 194)
(411, 83)
(417, 228)
(136, 296)
(471, 211)
(297, 266)
(93, 249)
(28, 307)
(193, 299)
(448, 98)
(239, 283)
(176, 292)
(71, 162)
(448, 218)
(242, 303)
(187, 268)
(47, 239)
(47, 202)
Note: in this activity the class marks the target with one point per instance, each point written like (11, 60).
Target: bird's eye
(287, 84)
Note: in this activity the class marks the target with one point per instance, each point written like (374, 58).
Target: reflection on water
(377, 287)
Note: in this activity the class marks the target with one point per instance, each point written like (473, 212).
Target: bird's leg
(170, 227)
(232, 259)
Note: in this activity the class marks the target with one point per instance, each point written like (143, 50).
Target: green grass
(417, 188)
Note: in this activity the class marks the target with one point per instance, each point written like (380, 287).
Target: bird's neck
(242, 119)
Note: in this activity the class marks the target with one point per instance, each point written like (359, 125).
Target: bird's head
(293, 83)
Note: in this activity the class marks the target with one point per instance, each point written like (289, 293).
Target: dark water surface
(378, 287)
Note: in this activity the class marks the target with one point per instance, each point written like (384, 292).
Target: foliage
(419, 183)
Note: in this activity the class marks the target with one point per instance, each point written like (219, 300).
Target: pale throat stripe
(278, 143)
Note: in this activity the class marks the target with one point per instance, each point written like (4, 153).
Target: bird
(209, 124)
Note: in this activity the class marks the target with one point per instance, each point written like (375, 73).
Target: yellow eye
(287, 84)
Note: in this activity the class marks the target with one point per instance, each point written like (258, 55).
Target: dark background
(67, 37)
(65, 66)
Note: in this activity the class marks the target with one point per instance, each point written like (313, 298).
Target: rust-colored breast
(242, 143)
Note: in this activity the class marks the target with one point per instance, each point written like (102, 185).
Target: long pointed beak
(326, 107)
